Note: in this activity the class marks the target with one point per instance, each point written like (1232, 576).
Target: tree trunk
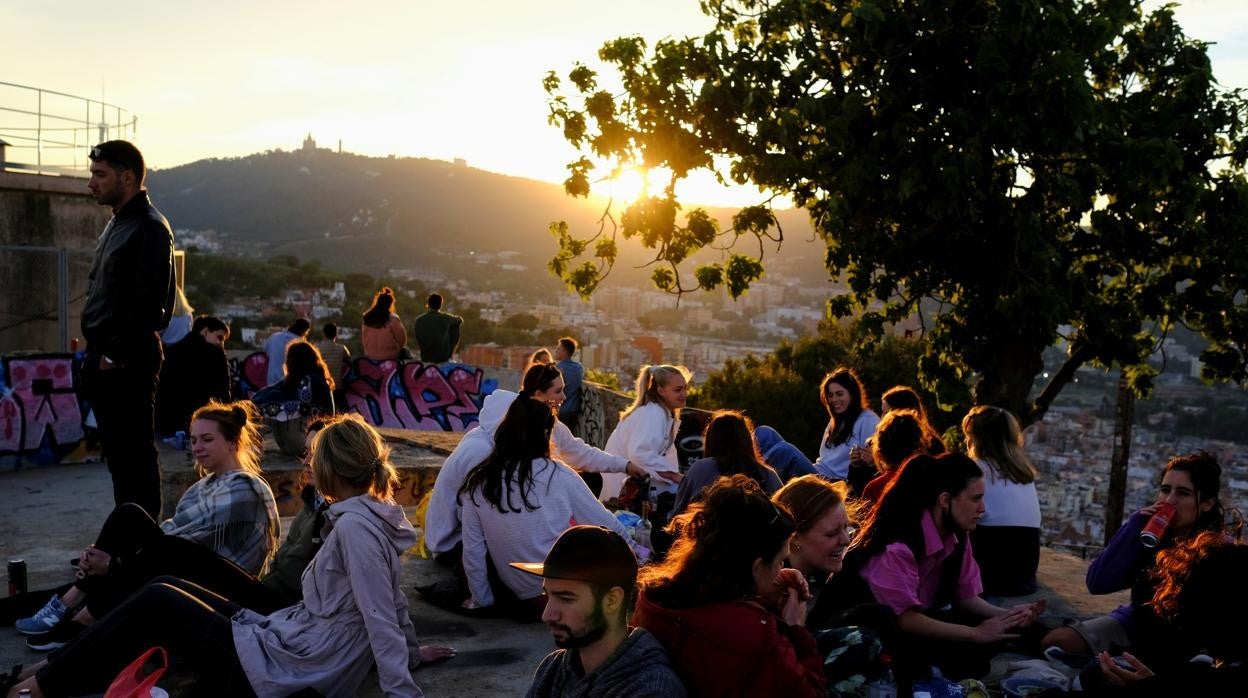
(1123, 416)
(1007, 381)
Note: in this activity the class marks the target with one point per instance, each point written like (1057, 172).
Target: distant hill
(358, 213)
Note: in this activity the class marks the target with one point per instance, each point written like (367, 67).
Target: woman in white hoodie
(646, 434)
(353, 614)
(516, 504)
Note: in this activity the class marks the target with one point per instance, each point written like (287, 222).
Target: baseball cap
(587, 554)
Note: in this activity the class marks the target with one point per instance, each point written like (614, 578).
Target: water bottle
(884, 686)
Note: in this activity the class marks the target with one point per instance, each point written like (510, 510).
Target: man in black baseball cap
(589, 579)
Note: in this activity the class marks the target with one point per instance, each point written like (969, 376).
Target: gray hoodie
(639, 668)
(352, 614)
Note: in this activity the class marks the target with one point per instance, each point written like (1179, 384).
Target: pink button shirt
(900, 582)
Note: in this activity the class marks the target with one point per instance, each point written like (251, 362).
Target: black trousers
(145, 553)
(124, 402)
(191, 623)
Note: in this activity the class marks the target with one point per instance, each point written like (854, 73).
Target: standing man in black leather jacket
(130, 293)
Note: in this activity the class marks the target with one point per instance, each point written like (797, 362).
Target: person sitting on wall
(305, 391)
(436, 332)
(589, 578)
(275, 348)
(382, 332)
(196, 371)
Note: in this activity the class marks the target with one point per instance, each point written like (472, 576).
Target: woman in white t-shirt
(844, 452)
(1007, 540)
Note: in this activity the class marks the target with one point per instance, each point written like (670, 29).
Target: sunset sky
(403, 77)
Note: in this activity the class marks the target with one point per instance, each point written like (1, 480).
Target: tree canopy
(779, 389)
(1013, 172)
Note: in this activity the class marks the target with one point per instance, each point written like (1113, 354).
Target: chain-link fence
(42, 290)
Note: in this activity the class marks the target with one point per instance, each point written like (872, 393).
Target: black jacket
(195, 371)
(130, 287)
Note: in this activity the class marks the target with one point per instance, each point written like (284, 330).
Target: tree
(780, 389)
(1011, 172)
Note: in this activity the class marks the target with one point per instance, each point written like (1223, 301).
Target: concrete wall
(43, 211)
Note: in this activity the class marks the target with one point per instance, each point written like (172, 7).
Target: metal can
(1156, 527)
(17, 577)
(179, 440)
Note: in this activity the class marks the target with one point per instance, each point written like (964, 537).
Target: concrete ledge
(418, 455)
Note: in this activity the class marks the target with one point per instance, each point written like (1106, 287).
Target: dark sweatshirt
(639, 668)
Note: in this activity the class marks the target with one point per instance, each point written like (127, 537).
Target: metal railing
(50, 132)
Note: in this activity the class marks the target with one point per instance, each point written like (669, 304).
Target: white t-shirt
(1008, 503)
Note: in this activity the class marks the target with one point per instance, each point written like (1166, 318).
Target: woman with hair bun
(516, 503)
(382, 332)
(354, 614)
(722, 603)
(230, 510)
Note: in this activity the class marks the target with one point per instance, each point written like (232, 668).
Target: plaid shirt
(233, 514)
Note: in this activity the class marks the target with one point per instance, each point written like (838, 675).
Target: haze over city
(388, 77)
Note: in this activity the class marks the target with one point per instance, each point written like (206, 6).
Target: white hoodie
(442, 518)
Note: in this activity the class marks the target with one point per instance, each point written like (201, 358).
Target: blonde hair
(181, 306)
(237, 422)
(348, 449)
(649, 380)
(994, 436)
(809, 497)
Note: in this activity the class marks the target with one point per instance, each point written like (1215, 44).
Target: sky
(404, 77)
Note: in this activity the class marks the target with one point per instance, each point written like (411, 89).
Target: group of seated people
(761, 563)
(777, 580)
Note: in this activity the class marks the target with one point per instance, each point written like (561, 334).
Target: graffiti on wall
(40, 412)
(397, 394)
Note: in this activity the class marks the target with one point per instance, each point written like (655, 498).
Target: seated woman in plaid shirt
(230, 511)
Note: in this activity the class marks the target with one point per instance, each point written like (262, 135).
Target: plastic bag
(139, 678)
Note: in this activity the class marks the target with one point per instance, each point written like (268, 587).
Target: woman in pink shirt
(914, 554)
(382, 333)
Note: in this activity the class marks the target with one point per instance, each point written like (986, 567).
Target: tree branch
(1079, 355)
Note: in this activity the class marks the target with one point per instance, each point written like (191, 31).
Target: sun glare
(627, 185)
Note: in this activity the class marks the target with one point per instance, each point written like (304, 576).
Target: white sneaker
(43, 621)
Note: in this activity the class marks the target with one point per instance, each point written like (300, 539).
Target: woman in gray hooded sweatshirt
(353, 613)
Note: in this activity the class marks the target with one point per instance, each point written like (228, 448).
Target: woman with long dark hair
(1191, 484)
(1007, 540)
(722, 603)
(306, 391)
(728, 448)
(915, 556)
(516, 503)
(843, 450)
(382, 332)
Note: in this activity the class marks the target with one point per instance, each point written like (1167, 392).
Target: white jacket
(562, 499)
(442, 518)
(647, 437)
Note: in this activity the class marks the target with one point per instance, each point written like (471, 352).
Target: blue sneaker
(43, 621)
